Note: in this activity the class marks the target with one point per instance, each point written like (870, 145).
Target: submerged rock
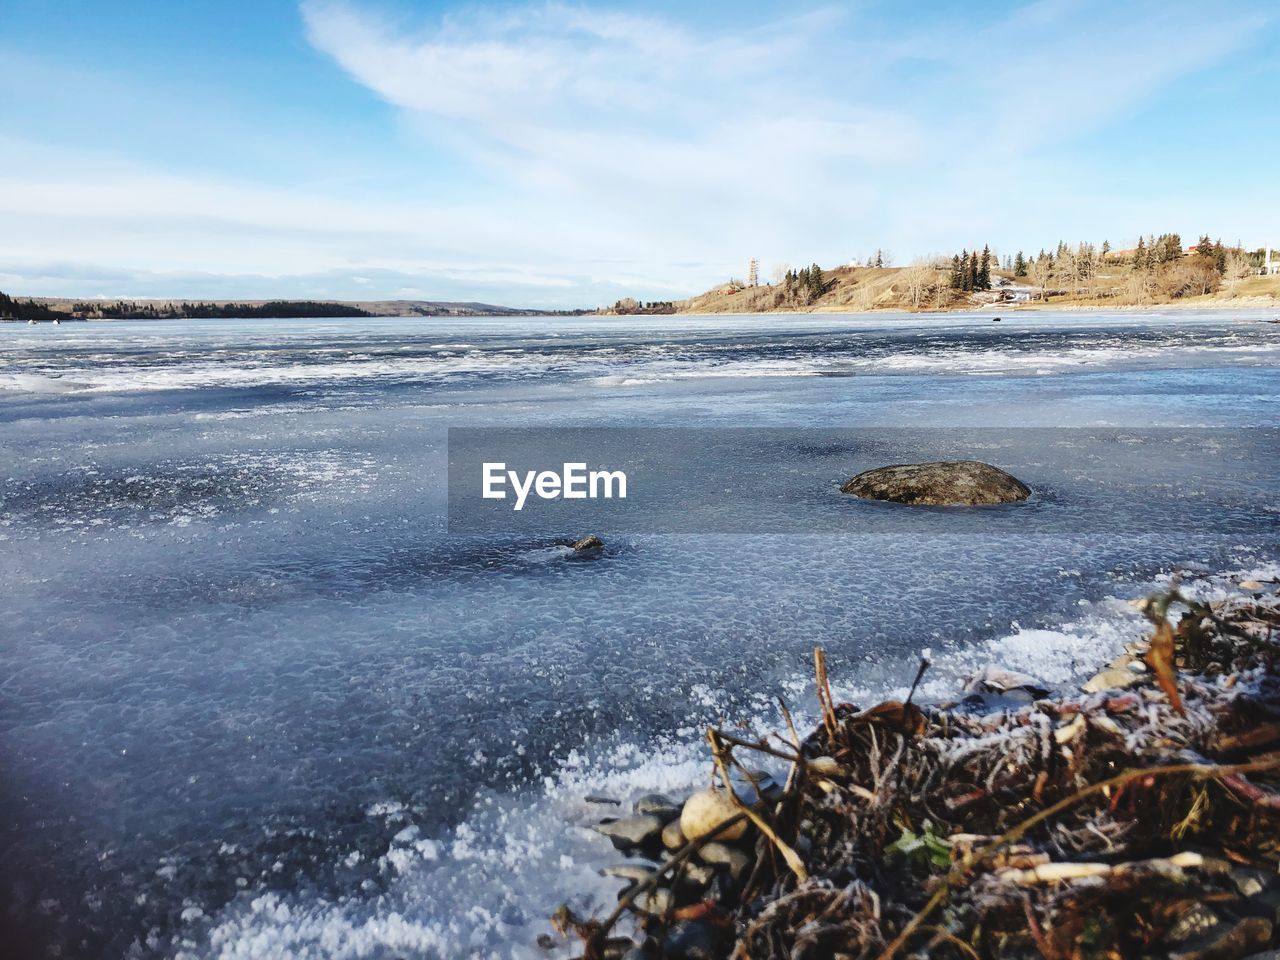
(939, 483)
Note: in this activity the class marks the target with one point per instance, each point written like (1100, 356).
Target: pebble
(696, 874)
(1248, 882)
(708, 809)
(658, 805)
(1110, 679)
(657, 902)
(617, 948)
(995, 679)
(721, 854)
(747, 790)
(673, 837)
(635, 871)
(630, 831)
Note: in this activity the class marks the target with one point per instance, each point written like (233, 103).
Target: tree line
(131, 310)
(1158, 266)
(11, 309)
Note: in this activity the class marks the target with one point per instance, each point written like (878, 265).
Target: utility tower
(753, 273)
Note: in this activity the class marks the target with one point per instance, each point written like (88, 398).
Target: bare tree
(1238, 265)
(780, 271)
(1040, 272)
(920, 279)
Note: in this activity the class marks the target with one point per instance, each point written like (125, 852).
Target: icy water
(256, 701)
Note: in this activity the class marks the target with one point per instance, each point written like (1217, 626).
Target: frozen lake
(255, 700)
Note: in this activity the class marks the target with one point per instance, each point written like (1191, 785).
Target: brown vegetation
(1121, 823)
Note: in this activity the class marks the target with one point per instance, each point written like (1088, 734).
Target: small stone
(721, 854)
(695, 874)
(993, 679)
(705, 811)
(630, 831)
(759, 785)
(673, 837)
(658, 805)
(617, 948)
(656, 903)
(635, 872)
(1248, 882)
(588, 543)
(1110, 680)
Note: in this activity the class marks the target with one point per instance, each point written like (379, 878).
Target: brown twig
(824, 691)
(1202, 771)
(722, 756)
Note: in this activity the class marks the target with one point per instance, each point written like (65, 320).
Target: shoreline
(756, 890)
(1180, 306)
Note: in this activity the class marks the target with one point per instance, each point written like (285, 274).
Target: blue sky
(557, 154)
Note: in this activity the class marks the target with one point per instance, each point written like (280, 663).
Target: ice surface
(256, 700)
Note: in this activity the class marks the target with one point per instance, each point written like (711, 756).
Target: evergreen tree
(817, 281)
(983, 277)
(1019, 265)
(1141, 256)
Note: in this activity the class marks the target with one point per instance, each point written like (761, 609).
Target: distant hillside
(928, 288)
(47, 308)
(439, 308)
(842, 290)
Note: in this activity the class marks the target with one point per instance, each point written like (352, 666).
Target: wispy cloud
(574, 153)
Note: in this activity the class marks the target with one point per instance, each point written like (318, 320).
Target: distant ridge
(72, 308)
